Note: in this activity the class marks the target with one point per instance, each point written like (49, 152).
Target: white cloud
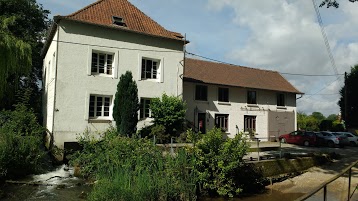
(285, 36)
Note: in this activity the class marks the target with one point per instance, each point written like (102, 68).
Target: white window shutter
(139, 67)
(161, 71)
(89, 61)
(116, 65)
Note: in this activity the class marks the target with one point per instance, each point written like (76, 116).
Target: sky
(279, 35)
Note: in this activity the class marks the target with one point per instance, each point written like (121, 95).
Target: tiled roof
(237, 76)
(102, 11)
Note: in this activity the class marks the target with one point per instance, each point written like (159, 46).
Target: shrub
(220, 166)
(21, 150)
(168, 111)
(135, 169)
(125, 109)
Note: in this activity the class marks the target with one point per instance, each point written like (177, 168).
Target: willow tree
(15, 56)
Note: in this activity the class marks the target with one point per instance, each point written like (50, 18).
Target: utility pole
(345, 99)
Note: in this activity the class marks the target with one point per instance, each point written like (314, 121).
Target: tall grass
(135, 169)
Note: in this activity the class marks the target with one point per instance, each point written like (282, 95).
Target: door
(202, 122)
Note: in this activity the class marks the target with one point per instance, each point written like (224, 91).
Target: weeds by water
(135, 169)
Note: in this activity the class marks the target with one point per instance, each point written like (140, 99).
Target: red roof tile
(102, 11)
(237, 76)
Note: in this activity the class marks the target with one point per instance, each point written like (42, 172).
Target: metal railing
(324, 185)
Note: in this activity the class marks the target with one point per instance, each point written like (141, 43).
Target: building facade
(85, 56)
(237, 98)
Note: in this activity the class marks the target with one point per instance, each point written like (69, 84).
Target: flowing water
(61, 185)
(57, 185)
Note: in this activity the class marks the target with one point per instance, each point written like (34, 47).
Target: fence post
(258, 149)
(349, 183)
(325, 193)
(154, 142)
(171, 146)
(280, 149)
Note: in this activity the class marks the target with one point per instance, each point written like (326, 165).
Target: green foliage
(15, 55)
(332, 117)
(311, 122)
(220, 165)
(332, 3)
(135, 169)
(351, 85)
(25, 21)
(169, 111)
(21, 150)
(125, 110)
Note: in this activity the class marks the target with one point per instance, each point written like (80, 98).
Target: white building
(87, 51)
(238, 98)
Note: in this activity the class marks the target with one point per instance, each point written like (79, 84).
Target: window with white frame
(249, 123)
(150, 68)
(144, 108)
(102, 63)
(222, 121)
(99, 106)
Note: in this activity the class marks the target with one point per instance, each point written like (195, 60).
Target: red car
(305, 138)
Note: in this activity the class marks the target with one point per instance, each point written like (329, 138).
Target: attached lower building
(236, 98)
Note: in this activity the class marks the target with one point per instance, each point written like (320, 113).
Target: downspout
(54, 98)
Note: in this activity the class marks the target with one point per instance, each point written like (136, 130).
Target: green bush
(135, 169)
(220, 166)
(169, 111)
(21, 150)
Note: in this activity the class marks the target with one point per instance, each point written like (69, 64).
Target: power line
(326, 42)
(113, 47)
(296, 74)
(319, 90)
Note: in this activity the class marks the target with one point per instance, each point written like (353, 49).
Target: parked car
(332, 139)
(306, 138)
(353, 139)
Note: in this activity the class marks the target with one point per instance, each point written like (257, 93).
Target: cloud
(285, 36)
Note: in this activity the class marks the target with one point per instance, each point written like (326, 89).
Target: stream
(61, 185)
(57, 185)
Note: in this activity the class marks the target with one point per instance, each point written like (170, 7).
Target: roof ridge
(235, 65)
(85, 8)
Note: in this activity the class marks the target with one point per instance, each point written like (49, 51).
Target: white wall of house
(237, 108)
(75, 83)
(49, 71)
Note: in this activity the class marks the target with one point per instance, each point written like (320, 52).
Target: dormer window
(118, 21)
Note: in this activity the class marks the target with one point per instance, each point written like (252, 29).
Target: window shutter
(89, 61)
(116, 65)
(139, 67)
(161, 71)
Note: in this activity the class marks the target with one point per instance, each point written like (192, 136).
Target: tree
(169, 112)
(29, 23)
(349, 96)
(15, 55)
(332, 3)
(332, 117)
(311, 122)
(319, 116)
(125, 110)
